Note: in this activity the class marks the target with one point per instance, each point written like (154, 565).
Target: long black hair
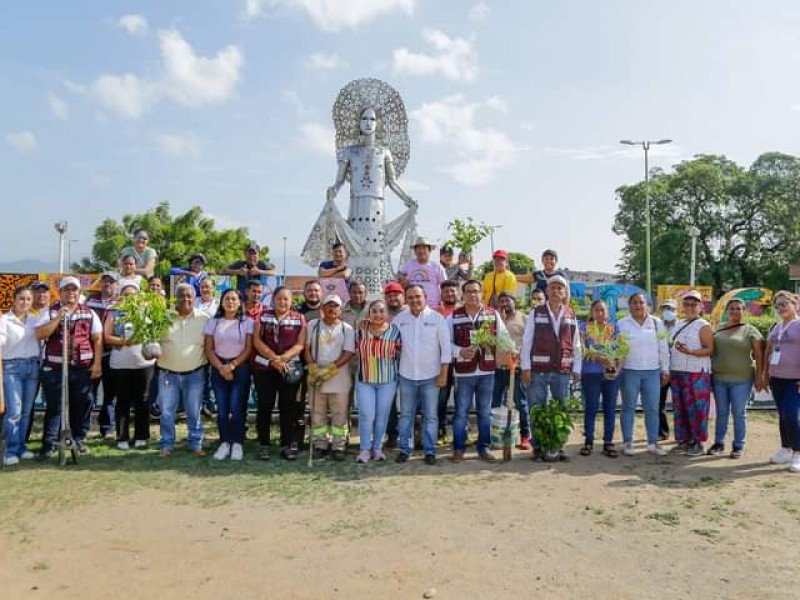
(220, 314)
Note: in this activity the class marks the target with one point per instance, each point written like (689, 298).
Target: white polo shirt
(425, 344)
(18, 338)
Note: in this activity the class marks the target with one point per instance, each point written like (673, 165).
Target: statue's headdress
(392, 129)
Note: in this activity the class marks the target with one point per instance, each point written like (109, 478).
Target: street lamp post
(693, 233)
(491, 235)
(284, 259)
(645, 144)
(61, 228)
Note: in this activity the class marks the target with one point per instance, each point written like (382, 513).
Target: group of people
(394, 358)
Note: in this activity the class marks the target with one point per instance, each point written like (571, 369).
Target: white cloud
(412, 185)
(133, 24)
(479, 12)
(22, 141)
(455, 58)
(179, 145)
(333, 15)
(607, 151)
(185, 78)
(75, 88)
(497, 103)
(99, 181)
(478, 153)
(292, 98)
(59, 108)
(319, 61)
(319, 138)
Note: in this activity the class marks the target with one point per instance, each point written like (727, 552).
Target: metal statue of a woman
(372, 149)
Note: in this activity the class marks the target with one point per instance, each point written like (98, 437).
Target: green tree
(175, 238)
(467, 234)
(747, 218)
(518, 262)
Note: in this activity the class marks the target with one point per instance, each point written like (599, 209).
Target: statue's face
(369, 122)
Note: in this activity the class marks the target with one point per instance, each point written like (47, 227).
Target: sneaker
(525, 443)
(165, 453)
(781, 457)
(695, 449)
(401, 457)
(138, 444)
(27, 455)
(656, 449)
(10, 461)
(736, 453)
(109, 436)
(83, 448)
(680, 448)
(223, 452)
(292, 452)
(123, 446)
(237, 452)
(199, 452)
(319, 453)
(337, 455)
(363, 457)
(44, 455)
(716, 449)
(487, 456)
(550, 457)
(794, 467)
(378, 456)
(430, 459)
(627, 449)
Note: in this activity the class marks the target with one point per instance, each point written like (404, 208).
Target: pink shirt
(429, 276)
(230, 335)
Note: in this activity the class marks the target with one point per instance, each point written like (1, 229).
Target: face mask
(669, 315)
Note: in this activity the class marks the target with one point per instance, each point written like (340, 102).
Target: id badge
(776, 357)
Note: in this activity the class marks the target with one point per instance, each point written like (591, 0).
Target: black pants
(133, 386)
(81, 399)
(663, 422)
(444, 396)
(106, 416)
(269, 385)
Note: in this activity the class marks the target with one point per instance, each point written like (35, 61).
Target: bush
(762, 322)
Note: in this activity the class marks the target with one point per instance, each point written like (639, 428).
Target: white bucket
(498, 428)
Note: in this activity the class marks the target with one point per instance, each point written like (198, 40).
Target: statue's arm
(391, 181)
(341, 174)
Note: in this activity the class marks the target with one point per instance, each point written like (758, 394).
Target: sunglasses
(781, 303)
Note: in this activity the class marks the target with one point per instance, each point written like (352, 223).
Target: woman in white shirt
(229, 341)
(692, 343)
(133, 376)
(21, 361)
(644, 370)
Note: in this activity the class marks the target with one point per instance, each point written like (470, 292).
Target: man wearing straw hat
(423, 271)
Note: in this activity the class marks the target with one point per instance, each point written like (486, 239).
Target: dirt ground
(640, 527)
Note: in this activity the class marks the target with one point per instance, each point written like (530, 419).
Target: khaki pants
(336, 426)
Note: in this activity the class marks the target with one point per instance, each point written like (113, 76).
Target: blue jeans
(172, 389)
(481, 387)
(554, 381)
(648, 385)
(731, 396)
(413, 394)
(787, 400)
(80, 402)
(374, 401)
(20, 382)
(593, 386)
(231, 397)
(502, 379)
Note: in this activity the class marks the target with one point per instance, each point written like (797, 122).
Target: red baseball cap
(500, 254)
(393, 287)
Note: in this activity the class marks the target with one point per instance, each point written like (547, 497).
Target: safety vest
(80, 353)
(549, 353)
(463, 325)
(278, 335)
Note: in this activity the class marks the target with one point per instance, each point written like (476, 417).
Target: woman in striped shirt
(378, 344)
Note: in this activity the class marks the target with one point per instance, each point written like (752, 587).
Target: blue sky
(516, 108)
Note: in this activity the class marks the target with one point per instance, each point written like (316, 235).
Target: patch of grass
(41, 565)
(670, 517)
(355, 528)
(712, 535)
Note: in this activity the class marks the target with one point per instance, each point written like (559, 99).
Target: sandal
(610, 451)
(264, 453)
(587, 449)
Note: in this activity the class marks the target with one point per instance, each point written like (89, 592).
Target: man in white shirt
(84, 354)
(551, 350)
(424, 358)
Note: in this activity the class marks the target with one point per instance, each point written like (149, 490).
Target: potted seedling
(147, 318)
